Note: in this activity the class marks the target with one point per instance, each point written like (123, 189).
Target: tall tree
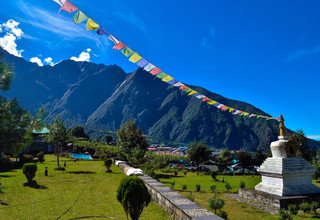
(58, 135)
(133, 196)
(129, 138)
(299, 141)
(78, 132)
(198, 152)
(225, 158)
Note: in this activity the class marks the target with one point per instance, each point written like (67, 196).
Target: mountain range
(101, 98)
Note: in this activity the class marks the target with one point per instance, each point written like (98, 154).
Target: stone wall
(177, 206)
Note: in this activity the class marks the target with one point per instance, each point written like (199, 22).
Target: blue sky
(266, 53)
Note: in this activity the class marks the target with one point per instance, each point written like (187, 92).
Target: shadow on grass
(90, 217)
(3, 203)
(6, 176)
(81, 172)
(35, 185)
(167, 176)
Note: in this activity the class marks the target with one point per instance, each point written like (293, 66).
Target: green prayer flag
(161, 75)
(187, 90)
(79, 17)
(127, 51)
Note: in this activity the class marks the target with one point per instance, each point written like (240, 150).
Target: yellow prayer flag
(192, 92)
(91, 25)
(135, 58)
(167, 79)
(212, 102)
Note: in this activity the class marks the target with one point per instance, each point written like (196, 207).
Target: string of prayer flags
(135, 57)
(79, 17)
(127, 51)
(155, 71)
(101, 31)
(68, 7)
(91, 25)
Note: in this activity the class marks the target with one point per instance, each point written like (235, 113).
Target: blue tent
(81, 156)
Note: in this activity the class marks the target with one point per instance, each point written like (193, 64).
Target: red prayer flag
(205, 99)
(155, 71)
(69, 7)
(119, 46)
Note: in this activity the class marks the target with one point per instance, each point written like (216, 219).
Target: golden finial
(282, 127)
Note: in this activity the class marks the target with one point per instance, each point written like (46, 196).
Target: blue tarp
(81, 156)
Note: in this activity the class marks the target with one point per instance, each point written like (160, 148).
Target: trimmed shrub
(184, 172)
(293, 209)
(214, 175)
(133, 196)
(242, 185)
(213, 188)
(107, 164)
(198, 187)
(175, 173)
(26, 158)
(216, 204)
(40, 156)
(227, 186)
(184, 187)
(314, 206)
(29, 170)
(305, 207)
(284, 215)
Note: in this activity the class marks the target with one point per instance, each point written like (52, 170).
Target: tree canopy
(198, 152)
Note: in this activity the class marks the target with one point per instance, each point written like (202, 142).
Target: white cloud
(36, 60)
(49, 61)
(84, 56)
(12, 34)
(315, 137)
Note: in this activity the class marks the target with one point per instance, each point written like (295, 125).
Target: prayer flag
(171, 82)
(161, 75)
(205, 99)
(219, 106)
(68, 7)
(245, 114)
(60, 2)
(178, 84)
(211, 102)
(135, 58)
(155, 71)
(79, 17)
(183, 87)
(127, 51)
(149, 67)
(142, 63)
(91, 25)
(187, 90)
(118, 46)
(101, 31)
(216, 104)
(223, 108)
(231, 110)
(193, 92)
(113, 39)
(167, 78)
(200, 96)
(252, 115)
(237, 112)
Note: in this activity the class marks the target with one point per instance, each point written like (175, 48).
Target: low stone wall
(177, 206)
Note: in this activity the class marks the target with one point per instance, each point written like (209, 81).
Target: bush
(198, 187)
(6, 164)
(214, 175)
(133, 196)
(293, 209)
(305, 207)
(184, 187)
(41, 157)
(107, 164)
(314, 206)
(227, 186)
(173, 183)
(184, 172)
(213, 188)
(26, 158)
(216, 204)
(284, 215)
(29, 170)
(175, 173)
(242, 185)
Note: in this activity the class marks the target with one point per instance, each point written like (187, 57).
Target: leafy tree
(107, 163)
(129, 138)
(58, 135)
(198, 152)
(133, 196)
(259, 158)
(225, 158)
(6, 74)
(216, 204)
(299, 141)
(29, 170)
(78, 132)
(108, 138)
(244, 158)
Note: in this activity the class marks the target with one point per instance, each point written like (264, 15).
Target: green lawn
(84, 189)
(235, 210)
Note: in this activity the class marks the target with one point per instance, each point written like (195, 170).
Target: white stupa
(285, 174)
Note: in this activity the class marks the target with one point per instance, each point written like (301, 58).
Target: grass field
(234, 209)
(83, 190)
